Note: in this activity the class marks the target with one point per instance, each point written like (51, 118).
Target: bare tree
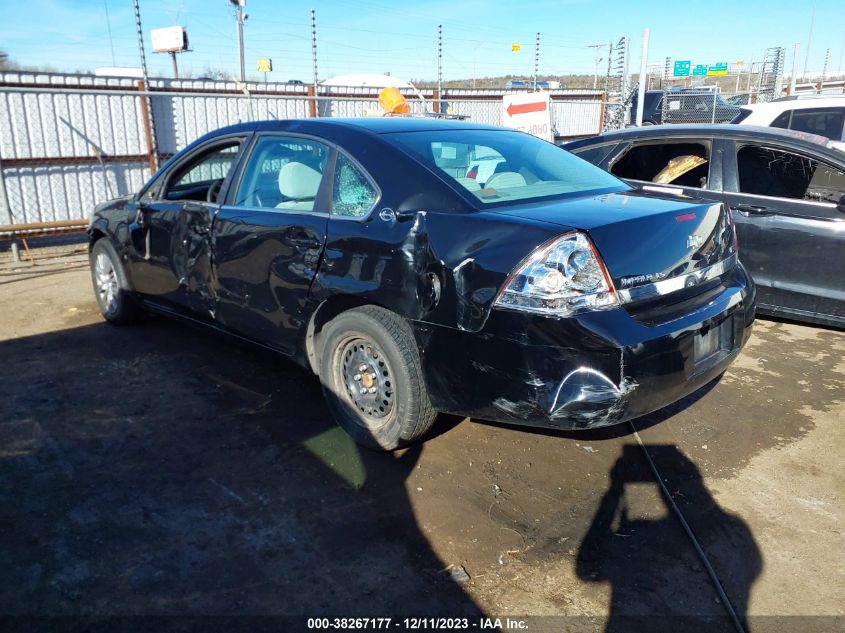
(5, 64)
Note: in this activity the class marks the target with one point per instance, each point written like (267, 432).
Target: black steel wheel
(372, 378)
(367, 377)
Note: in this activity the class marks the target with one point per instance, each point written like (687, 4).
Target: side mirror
(840, 206)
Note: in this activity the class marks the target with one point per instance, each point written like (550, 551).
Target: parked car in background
(741, 99)
(824, 116)
(785, 189)
(524, 84)
(684, 106)
(554, 295)
(652, 113)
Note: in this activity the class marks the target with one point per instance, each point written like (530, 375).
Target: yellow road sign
(516, 47)
(264, 65)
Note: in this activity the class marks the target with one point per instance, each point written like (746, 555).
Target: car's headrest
(298, 181)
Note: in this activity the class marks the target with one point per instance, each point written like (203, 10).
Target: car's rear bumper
(587, 371)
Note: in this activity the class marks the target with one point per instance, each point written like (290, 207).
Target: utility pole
(750, 73)
(439, 68)
(149, 123)
(175, 66)
(315, 104)
(108, 28)
(643, 71)
(792, 77)
(536, 59)
(140, 42)
(809, 39)
(597, 60)
(824, 70)
(240, 17)
(841, 54)
(314, 47)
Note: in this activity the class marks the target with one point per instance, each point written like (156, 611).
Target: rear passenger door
(269, 236)
(791, 235)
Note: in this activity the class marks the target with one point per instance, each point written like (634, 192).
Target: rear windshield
(504, 166)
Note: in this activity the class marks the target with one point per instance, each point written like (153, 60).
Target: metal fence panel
(69, 142)
(577, 118)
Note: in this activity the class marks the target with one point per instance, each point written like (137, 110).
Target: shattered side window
(682, 164)
(353, 195)
(766, 171)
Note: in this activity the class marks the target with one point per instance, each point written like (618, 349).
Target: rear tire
(111, 287)
(372, 378)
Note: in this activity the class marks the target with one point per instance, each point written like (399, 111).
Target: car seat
(298, 185)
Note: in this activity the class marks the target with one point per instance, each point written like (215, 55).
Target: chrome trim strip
(673, 284)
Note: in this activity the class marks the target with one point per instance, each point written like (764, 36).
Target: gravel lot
(163, 470)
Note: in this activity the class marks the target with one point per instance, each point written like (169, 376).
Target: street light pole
(642, 87)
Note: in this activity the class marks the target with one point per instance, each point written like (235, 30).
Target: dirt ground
(162, 470)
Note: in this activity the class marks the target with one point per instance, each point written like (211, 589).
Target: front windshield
(500, 166)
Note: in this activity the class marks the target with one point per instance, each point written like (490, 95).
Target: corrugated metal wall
(69, 142)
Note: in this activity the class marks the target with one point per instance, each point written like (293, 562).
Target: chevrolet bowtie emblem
(694, 241)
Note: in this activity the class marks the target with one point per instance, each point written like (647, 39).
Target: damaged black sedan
(539, 290)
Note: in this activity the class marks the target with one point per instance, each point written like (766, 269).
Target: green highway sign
(699, 71)
(682, 68)
(719, 68)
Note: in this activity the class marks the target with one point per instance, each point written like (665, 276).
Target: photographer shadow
(638, 545)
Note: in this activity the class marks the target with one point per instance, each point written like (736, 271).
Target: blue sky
(400, 37)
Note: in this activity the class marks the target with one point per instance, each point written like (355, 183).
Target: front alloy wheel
(111, 288)
(105, 283)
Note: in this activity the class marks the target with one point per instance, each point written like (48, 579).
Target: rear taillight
(473, 173)
(561, 278)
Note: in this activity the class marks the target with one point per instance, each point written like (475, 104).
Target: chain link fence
(695, 106)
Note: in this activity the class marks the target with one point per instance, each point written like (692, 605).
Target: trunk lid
(643, 237)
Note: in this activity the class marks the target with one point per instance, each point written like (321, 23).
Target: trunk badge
(694, 241)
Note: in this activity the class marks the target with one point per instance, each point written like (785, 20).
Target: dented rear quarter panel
(434, 267)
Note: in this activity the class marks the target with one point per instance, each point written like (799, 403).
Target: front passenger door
(791, 235)
(169, 240)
